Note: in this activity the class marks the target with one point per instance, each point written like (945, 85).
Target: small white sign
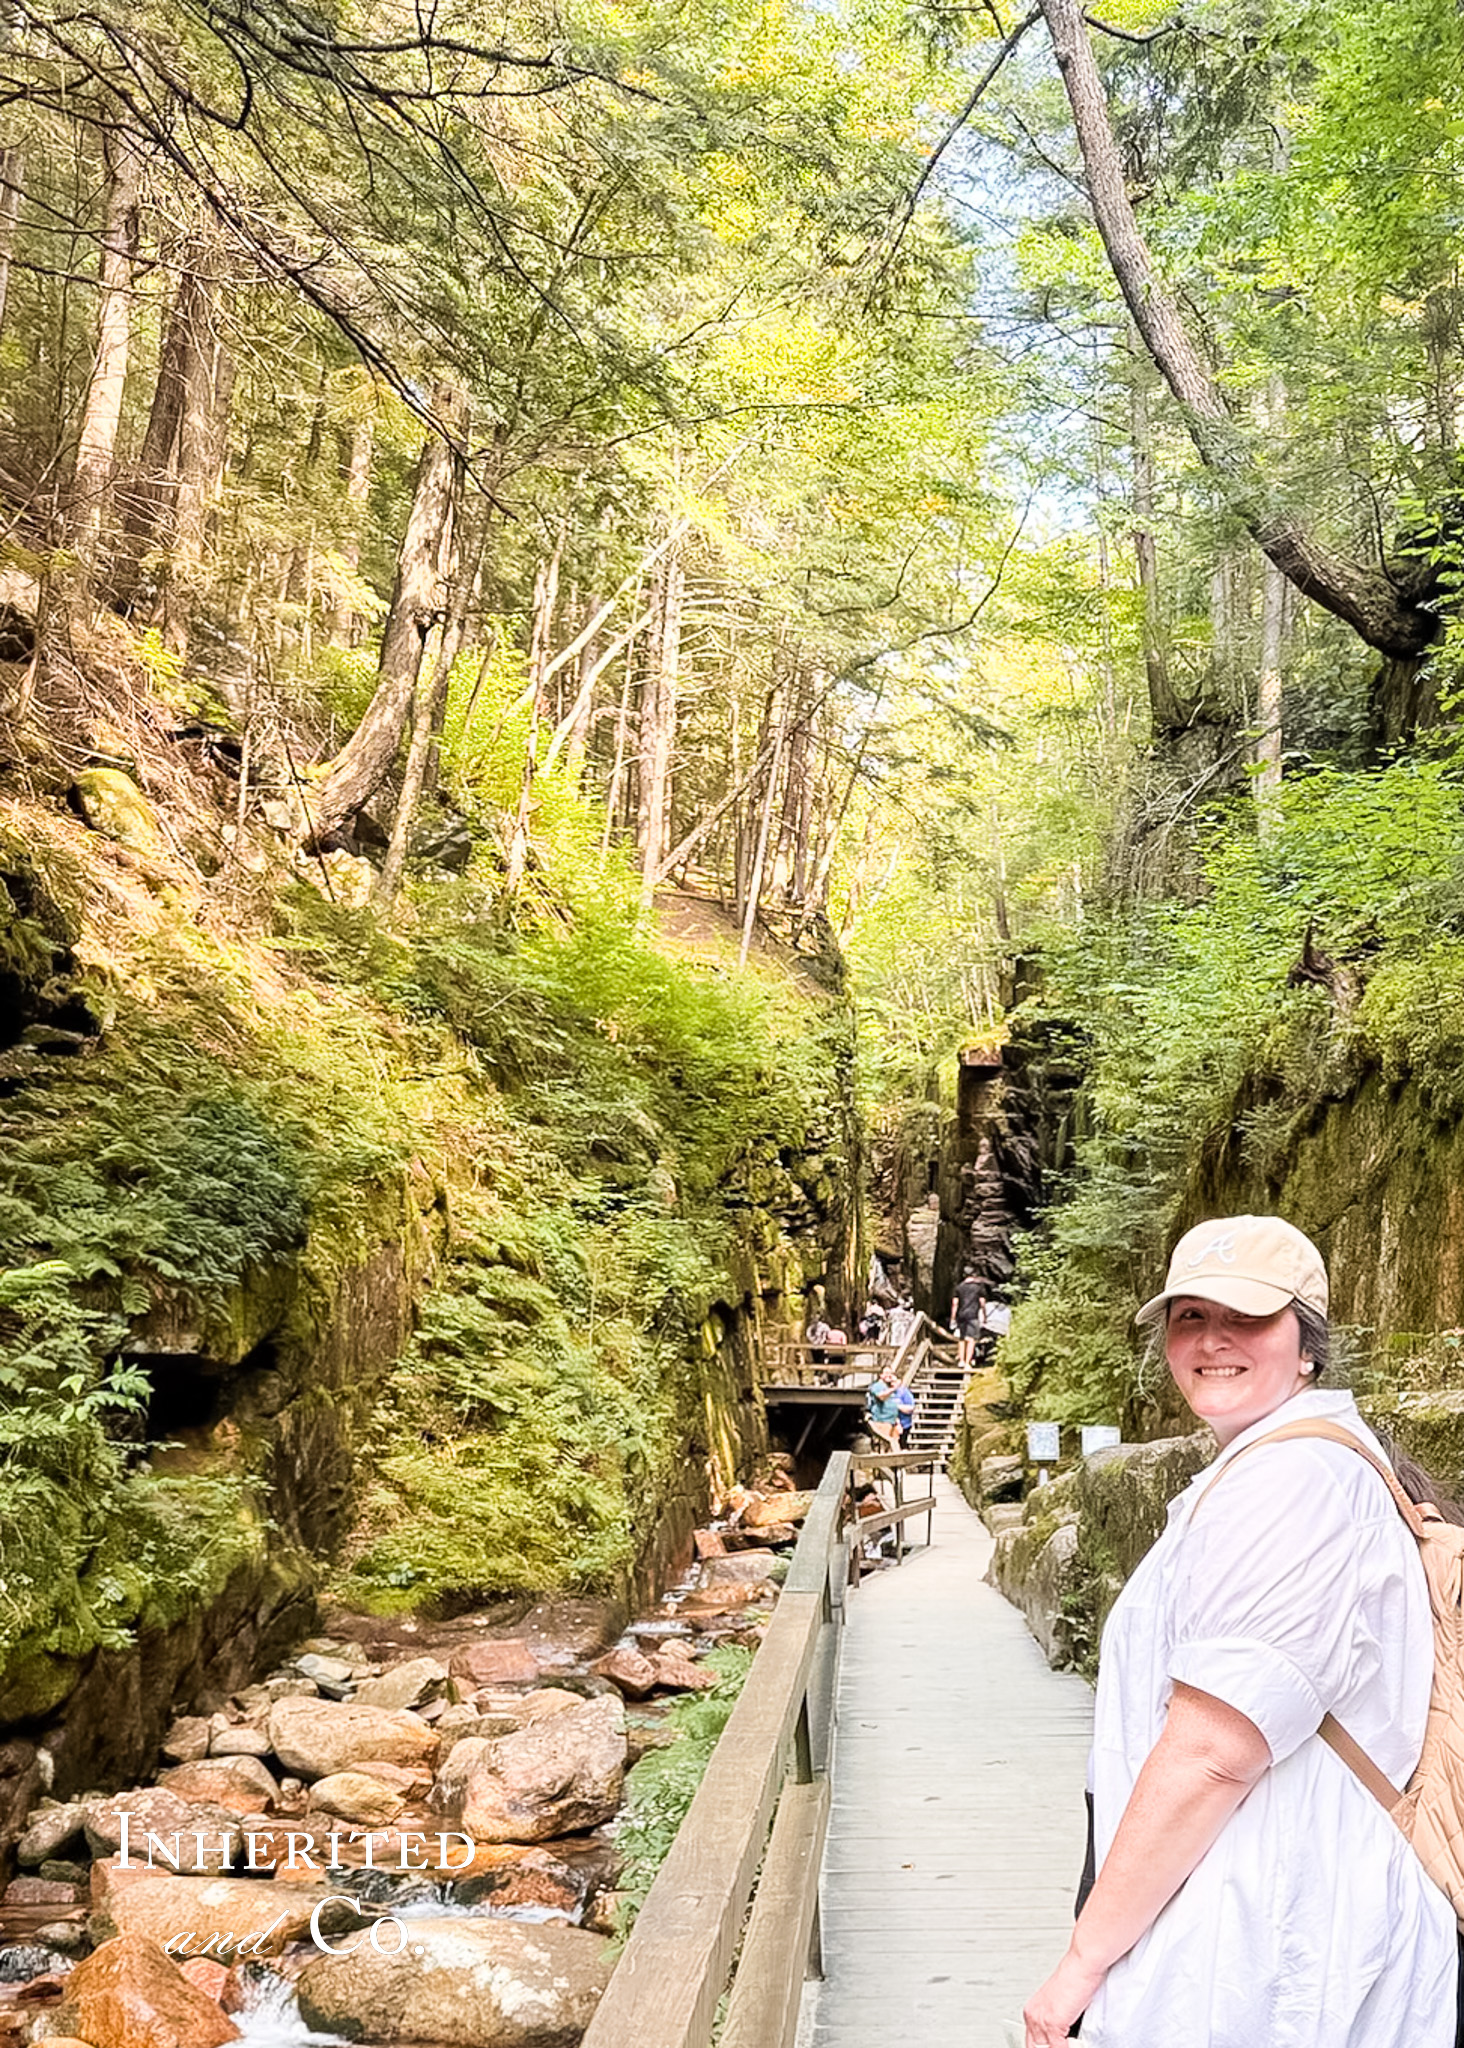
(1100, 1436)
(1043, 1443)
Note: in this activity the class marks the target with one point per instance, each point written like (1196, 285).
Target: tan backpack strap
(1359, 1763)
(1331, 1731)
(1332, 1433)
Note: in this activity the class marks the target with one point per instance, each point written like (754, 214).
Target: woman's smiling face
(1232, 1369)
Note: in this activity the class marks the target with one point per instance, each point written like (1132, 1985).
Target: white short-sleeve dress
(1295, 1591)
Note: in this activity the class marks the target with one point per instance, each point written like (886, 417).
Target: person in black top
(967, 1306)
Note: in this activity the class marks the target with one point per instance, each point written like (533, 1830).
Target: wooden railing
(763, 1801)
(868, 1528)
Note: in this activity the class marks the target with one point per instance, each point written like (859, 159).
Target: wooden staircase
(938, 1382)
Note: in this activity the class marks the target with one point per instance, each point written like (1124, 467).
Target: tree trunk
(364, 762)
(91, 478)
(203, 429)
(1383, 614)
(658, 726)
(149, 493)
(754, 881)
(12, 171)
(346, 625)
(1165, 713)
(1268, 702)
(428, 704)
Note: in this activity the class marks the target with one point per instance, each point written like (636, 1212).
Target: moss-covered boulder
(1081, 1537)
(111, 803)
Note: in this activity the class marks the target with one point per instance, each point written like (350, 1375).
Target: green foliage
(1197, 1023)
(662, 1785)
(557, 1368)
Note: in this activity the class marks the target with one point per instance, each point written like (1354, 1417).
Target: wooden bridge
(887, 1839)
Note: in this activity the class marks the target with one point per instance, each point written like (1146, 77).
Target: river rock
(724, 1599)
(130, 1994)
(545, 1701)
(765, 1509)
(676, 1671)
(318, 1737)
(404, 1685)
(744, 1570)
(634, 1674)
(241, 1784)
(242, 1740)
(511, 1662)
(152, 1809)
(572, 1631)
(464, 1984)
(187, 1740)
(37, 1891)
(709, 1543)
(252, 1910)
(48, 1829)
(353, 1795)
(551, 1778)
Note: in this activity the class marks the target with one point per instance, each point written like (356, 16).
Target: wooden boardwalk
(957, 1830)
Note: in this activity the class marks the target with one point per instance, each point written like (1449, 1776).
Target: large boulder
(461, 1984)
(130, 1994)
(192, 1834)
(404, 1685)
(552, 1778)
(508, 1662)
(357, 1796)
(49, 1829)
(317, 1738)
(112, 803)
(240, 1784)
(223, 1910)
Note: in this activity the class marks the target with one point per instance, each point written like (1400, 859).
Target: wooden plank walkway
(956, 1836)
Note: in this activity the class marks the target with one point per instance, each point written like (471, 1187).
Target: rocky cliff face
(953, 1181)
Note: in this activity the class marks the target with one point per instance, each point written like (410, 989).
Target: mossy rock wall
(1079, 1539)
(1378, 1181)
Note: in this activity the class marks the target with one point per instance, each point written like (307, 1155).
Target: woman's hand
(1049, 2014)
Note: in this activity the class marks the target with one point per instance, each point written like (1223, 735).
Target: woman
(882, 1409)
(1250, 1892)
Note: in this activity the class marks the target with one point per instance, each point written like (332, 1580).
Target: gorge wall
(1372, 1167)
(327, 1302)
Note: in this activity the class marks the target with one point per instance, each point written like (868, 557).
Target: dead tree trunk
(345, 624)
(658, 725)
(203, 428)
(363, 763)
(1382, 607)
(1165, 713)
(429, 701)
(12, 172)
(96, 448)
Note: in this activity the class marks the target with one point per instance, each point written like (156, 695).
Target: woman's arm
(1205, 1761)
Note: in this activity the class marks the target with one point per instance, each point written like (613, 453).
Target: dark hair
(1316, 1337)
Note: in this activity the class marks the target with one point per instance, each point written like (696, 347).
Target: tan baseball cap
(1257, 1264)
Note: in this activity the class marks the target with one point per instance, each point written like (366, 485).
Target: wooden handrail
(773, 1754)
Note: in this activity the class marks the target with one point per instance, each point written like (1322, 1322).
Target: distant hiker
(996, 1320)
(901, 1322)
(871, 1325)
(905, 1406)
(1251, 1888)
(968, 1304)
(821, 1335)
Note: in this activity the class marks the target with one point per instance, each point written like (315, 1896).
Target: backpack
(1430, 1809)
